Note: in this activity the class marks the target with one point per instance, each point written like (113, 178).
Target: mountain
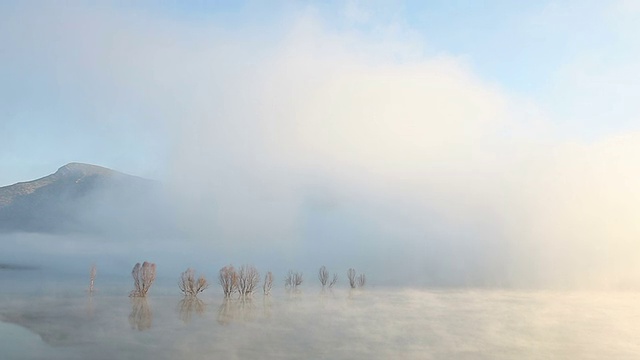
(82, 198)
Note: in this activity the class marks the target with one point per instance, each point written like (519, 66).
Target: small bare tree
(189, 285)
(228, 279)
(334, 280)
(92, 278)
(293, 280)
(362, 280)
(248, 280)
(143, 276)
(288, 280)
(351, 274)
(323, 275)
(268, 283)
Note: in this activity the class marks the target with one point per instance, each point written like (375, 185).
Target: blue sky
(458, 121)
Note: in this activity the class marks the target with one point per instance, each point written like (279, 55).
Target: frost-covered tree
(351, 275)
(268, 283)
(92, 278)
(293, 280)
(248, 280)
(189, 285)
(143, 277)
(228, 279)
(323, 275)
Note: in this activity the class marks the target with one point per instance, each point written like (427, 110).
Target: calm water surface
(367, 324)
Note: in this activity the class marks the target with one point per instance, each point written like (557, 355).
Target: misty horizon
(88, 246)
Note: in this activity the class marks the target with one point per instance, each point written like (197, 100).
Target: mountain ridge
(28, 187)
(78, 197)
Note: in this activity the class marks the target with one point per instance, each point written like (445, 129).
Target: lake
(373, 323)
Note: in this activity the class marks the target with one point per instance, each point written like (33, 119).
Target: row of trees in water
(243, 281)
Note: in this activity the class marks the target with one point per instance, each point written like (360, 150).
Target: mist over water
(340, 324)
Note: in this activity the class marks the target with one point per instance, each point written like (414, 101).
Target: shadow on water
(190, 305)
(141, 316)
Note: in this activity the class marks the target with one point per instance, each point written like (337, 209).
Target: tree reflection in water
(190, 305)
(141, 316)
(266, 307)
(241, 309)
(91, 309)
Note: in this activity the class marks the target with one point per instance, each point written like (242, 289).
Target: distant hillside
(82, 198)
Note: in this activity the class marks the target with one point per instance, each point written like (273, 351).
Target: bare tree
(228, 279)
(248, 280)
(92, 278)
(323, 275)
(351, 274)
(189, 285)
(143, 276)
(362, 280)
(268, 283)
(334, 280)
(288, 280)
(293, 280)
